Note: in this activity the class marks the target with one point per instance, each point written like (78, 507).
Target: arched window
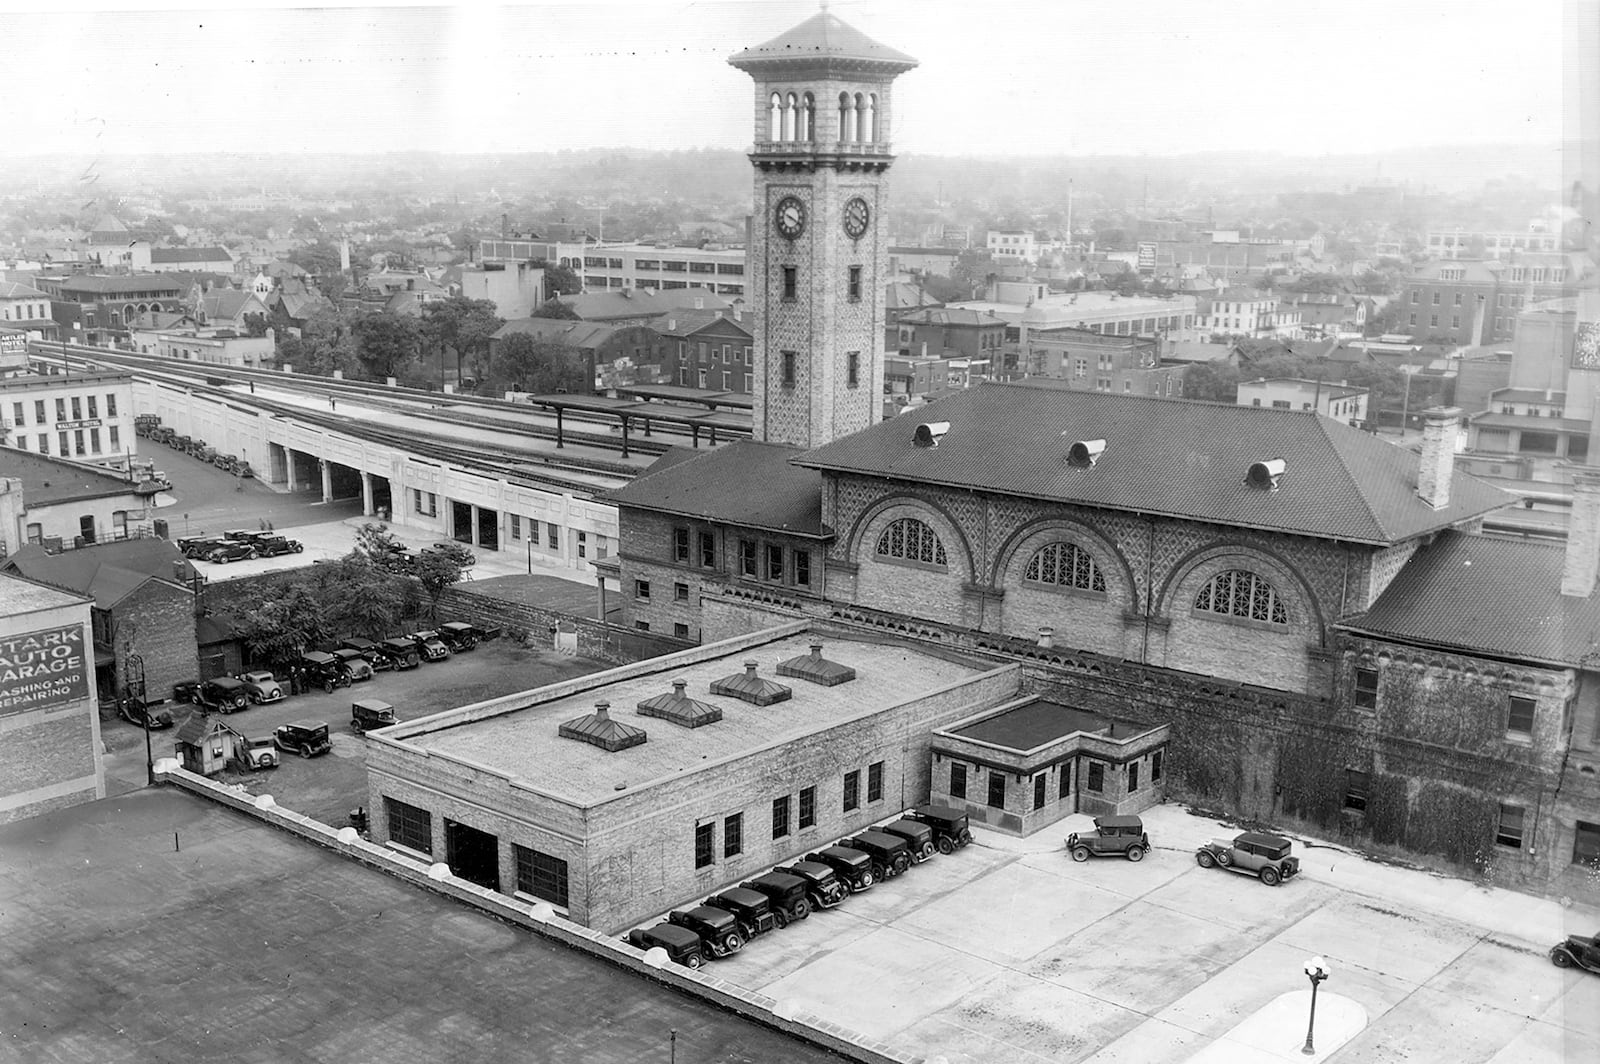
(808, 118)
(791, 117)
(911, 540)
(1237, 593)
(858, 128)
(847, 118)
(775, 118)
(869, 121)
(1065, 565)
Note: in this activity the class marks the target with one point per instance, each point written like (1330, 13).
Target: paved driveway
(1007, 950)
(248, 945)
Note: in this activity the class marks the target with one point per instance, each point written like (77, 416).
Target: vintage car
(459, 636)
(197, 547)
(233, 551)
(354, 664)
(681, 944)
(824, 889)
(307, 738)
(401, 653)
(369, 650)
(273, 546)
(852, 866)
(1578, 951)
(950, 830)
(718, 928)
(458, 552)
(1113, 836)
(256, 754)
(184, 690)
(224, 694)
(918, 836)
(429, 645)
(787, 895)
(890, 854)
(262, 687)
(371, 713)
(323, 670)
(1252, 853)
(750, 907)
(134, 711)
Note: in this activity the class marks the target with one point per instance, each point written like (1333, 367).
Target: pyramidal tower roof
(679, 708)
(598, 729)
(824, 39)
(757, 690)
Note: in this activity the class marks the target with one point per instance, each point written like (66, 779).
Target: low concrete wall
(719, 992)
(597, 640)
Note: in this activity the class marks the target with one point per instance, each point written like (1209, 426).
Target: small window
(708, 550)
(791, 282)
(733, 835)
(747, 557)
(641, 590)
(1064, 783)
(1509, 831)
(643, 626)
(1039, 784)
(1586, 845)
(111, 406)
(808, 808)
(680, 544)
(774, 562)
(1155, 766)
(1133, 776)
(802, 568)
(1356, 787)
(853, 369)
(958, 780)
(1519, 720)
(1366, 696)
(780, 817)
(541, 875)
(1097, 776)
(875, 782)
(680, 630)
(852, 790)
(855, 284)
(788, 369)
(552, 536)
(680, 592)
(516, 526)
(997, 790)
(704, 852)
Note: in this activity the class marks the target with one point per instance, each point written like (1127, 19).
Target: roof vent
(1085, 453)
(751, 688)
(1265, 475)
(679, 708)
(929, 433)
(817, 669)
(598, 729)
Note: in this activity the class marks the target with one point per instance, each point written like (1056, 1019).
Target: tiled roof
(106, 572)
(1163, 456)
(949, 316)
(579, 334)
(12, 290)
(1461, 590)
(689, 322)
(745, 483)
(229, 303)
(98, 284)
(641, 302)
(823, 37)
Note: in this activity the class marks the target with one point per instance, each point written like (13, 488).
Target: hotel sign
(42, 669)
(1586, 346)
(13, 343)
(91, 423)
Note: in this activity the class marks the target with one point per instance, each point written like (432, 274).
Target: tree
(279, 629)
(524, 363)
(327, 343)
(554, 308)
(387, 344)
(463, 325)
(360, 597)
(1127, 283)
(376, 543)
(558, 280)
(1217, 381)
(439, 568)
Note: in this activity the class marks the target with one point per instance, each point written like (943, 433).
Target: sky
(1029, 77)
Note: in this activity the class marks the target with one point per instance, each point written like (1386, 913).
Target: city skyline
(1045, 79)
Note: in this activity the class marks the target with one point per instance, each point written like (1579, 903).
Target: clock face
(790, 217)
(856, 216)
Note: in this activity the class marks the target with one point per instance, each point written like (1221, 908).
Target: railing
(817, 147)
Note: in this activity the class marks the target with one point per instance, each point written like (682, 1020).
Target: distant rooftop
(1041, 721)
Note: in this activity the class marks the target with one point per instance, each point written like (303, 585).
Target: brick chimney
(1582, 562)
(1441, 425)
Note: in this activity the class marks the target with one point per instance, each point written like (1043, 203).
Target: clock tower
(818, 244)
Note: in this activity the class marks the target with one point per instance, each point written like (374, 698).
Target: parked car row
(152, 429)
(399, 558)
(723, 923)
(238, 545)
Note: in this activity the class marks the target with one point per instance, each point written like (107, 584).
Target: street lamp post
(134, 688)
(1316, 970)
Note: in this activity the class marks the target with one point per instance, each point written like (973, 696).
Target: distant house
(228, 308)
(25, 308)
(613, 354)
(1330, 399)
(143, 596)
(209, 259)
(56, 501)
(950, 332)
(710, 349)
(641, 306)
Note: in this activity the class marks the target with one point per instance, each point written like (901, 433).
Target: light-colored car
(257, 754)
(262, 687)
(1252, 853)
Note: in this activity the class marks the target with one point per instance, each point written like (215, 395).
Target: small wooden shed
(205, 744)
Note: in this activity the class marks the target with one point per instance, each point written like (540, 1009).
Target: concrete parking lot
(1007, 950)
(158, 927)
(328, 787)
